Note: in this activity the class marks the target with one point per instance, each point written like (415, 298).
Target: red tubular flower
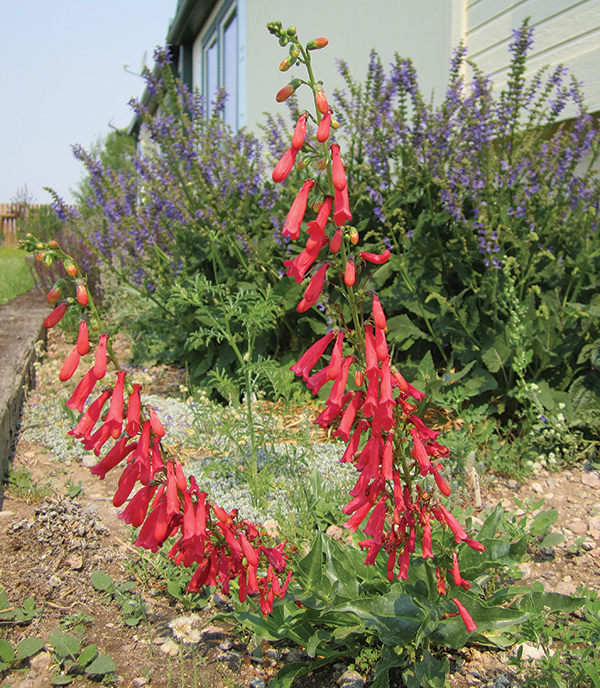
(335, 361)
(82, 391)
(407, 388)
(370, 352)
(299, 133)
(157, 426)
(466, 617)
(388, 457)
(172, 498)
(83, 339)
(321, 100)
(336, 242)
(381, 346)
(474, 544)
(358, 517)
(339, 386)
(349, 415)
(444, 516)
(378, 314)
(341, 205)
(133, 412)
(114, 417)
(70, 365)
(100, 362)
(350, 273)
(354, 443)
(376, 258)
(441, 584)
(323, 128)
(142, 454)
(372, 398)
(114, 457)
(317, 381)
(313, 290)
(317, 43)
(126, 483)
(135, 512)
(337, 168)
(296, 213)
(285, 165)
(90, 417)
(458, 579)
(309, 359)
(318, 226)
(298, 267)
(427, 548)
(56, 316)
(419, 453)
(441, 483)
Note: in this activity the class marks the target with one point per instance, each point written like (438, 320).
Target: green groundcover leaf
(29, 647)
(7, 654)
(102, 665)
(101, 581)
(64, 644)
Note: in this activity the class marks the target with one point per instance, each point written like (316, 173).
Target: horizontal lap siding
(565, 32)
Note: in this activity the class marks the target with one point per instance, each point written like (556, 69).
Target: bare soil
(50, 544)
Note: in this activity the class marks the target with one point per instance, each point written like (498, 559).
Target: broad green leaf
(552, 539)
(428, 673)
(64, 644)
(101, 665)
(312, 564)
(101, 581)
(496, 356)
(174, 589)
(321, 635)
(8, 614)
(538, 601)
(542, 521)
(87, 655)
(61, 680)
(29, 647)
(591, 670)
(7, 654)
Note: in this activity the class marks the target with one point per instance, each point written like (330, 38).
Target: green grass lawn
(15, 276)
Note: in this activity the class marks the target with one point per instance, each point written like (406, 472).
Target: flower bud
(286, 63)
(359, 378)
(322, 164)
(335, 124)
(354, 236)
(323, 129)
(301, 164)
(284, 166)
(321, 100)
(47, 260)
(70, 268)
(56, 315)
(317, 205)
(317, 43)
(53, 244)
(39, 257)
(336, 242)
(82, 295)
(287, 91)
(350, 273)
(299, 133)
(55, 293)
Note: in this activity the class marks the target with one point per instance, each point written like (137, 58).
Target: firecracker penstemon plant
(397, 501)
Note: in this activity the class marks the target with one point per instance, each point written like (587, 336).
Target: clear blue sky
(62, 82)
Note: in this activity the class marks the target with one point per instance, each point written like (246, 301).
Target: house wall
(425, 31)
(565, 31)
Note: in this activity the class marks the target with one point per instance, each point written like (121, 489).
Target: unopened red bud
(317, 43)
(53, 244)
(335, 124)
(82, 295)
(321, 100)
(83, 338)
(322, 164)
(336, 242)
(323, 129)
(354, 236)
(359, 378)
(286, 63)
(47, 259)
(317, 205)
(55, 317)
(301, 164)
(350, 273)
(299, 133)
(287, 91)
(55, 293)
(39, 257)
(70, 268)
(70, 365)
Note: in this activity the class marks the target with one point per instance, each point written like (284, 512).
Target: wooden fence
(9, 215)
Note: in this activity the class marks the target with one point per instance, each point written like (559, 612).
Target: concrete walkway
(20, 328)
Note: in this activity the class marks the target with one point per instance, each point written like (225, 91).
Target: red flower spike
(299, 133)
(297, 211)
(56, 316)
(318, 225)
(82, 295)
(83, 339)
(285, 165)
(309, 359)
(341, 205)
(100, 362)
(70, 365)
(321, 100)
(378, 314)
(323, 128)
(376, 258)
(133, 412)
(314, 289)
(82, 391)
(336, 242)
(335, 362)
(465, 616)
(350, 273)
(337, 168)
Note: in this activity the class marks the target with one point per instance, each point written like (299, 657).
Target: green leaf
(312, 564)
(552, 539)
(591, 670)
(64, 644)
(542, 521)
(102, 665)
(496, 356)
(87, 655)
(174, 589)
(7, 654)
(29, 647)
(315, 640)
(101, 581)
(61, 680)
(5, 604)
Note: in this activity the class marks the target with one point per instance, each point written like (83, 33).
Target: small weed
(74, 490)
(22, 485)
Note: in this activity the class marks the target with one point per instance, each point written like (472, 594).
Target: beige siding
(565, 32)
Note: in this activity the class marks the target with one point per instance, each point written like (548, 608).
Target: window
(222, 63)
